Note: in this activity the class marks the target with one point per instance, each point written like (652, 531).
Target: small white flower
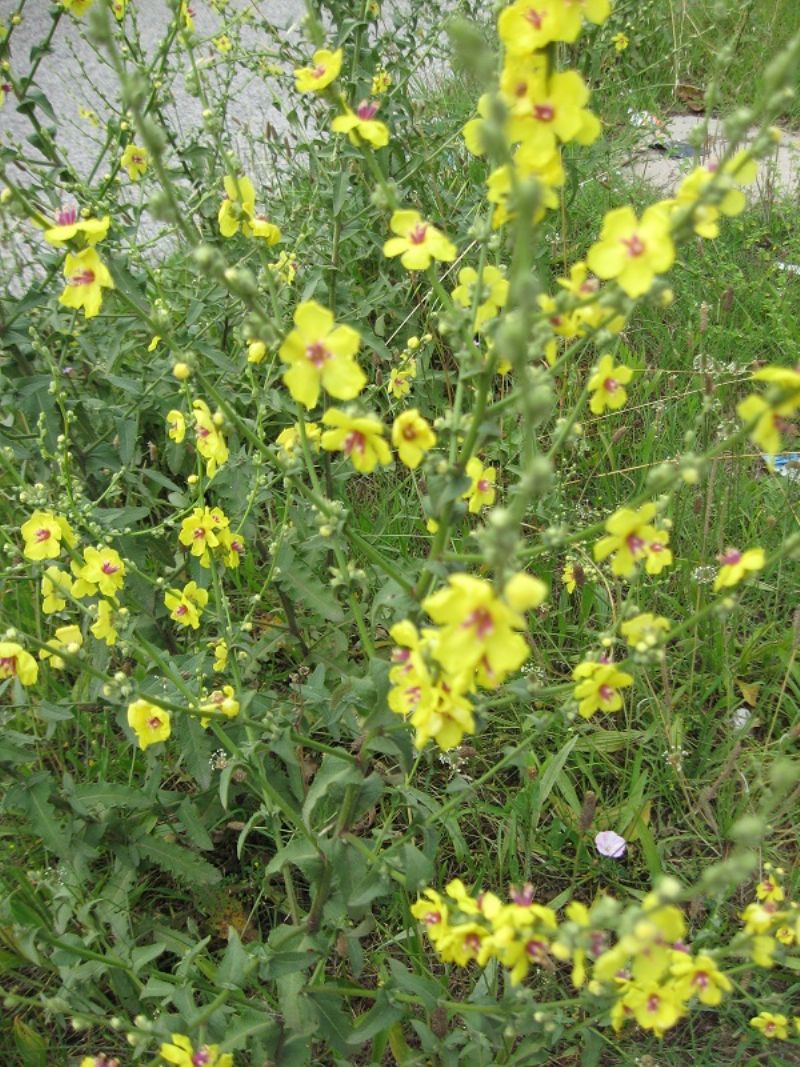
(610, 844)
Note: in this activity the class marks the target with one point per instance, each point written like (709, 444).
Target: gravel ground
(74, 76)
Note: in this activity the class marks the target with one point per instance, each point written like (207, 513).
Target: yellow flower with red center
(607, 385)
(68, 224)
(103, 628)
(103, 568)
(55, 583)
(183, 1054)
(482, 491)
(620, 41)
(76, 7)
(633, 250)
(773, 1026)
(359, 437)
(361, 125)
(86, 276)
(528, 163)
(186, 605)
(631, 539)
(199, 531)
(479, 630)
(417, 242)
(321, 354)
(598, 687)
(698, 976)
(43, 533)
(737, 565)
(67, 639)
(530, 25)
(176, 424)
(15, 662)
(238, 208)
(412, 436)
(492, 293)
(220, 702)
(400, 379)
(769, 888)
(150, 723)
(324, 69)
(655, 1007)
(135, 161)
(554, 112)
(233, 547)
(208, 435)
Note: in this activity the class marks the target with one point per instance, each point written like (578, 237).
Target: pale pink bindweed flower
(610, 844)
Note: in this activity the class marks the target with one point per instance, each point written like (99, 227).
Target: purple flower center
(634, 244)
(8, 664)
(634, 543)
(201, 1057)
(83, 277)
(367, 110)
(611, 385)
(354, 441)
(544, 112)
(483, 622)
(417, 235)
(317, 353)
(109, 568)
(534, 17)
(67, 215)
(606, 692)
(731, 557)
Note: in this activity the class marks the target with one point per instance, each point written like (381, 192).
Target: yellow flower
(118, 7)
(69, 225)
(325, 69)
(223, 43)
(598, 687)
(77, 7)
(481, 493)
(199, 532)
(620, 41)
(361, 125)
(644, 631)
(492, 297)
(553, 111)
(43, 533)
(418, 242)
(655, 1007)
(631, 538)
(210, 442)
(288, 440)
(771, 1026)
(233, 547)
(67, 639)
(478, 631)
(103, 569)
(381, 80)
(256, 351)
(570, 576)
(186, 605)
(151, 724)
(529, 25)
(412, 436)
(607, 385)
(15, 662)
(177, 425)
(400, 380)
(185, 15)
(135, 160)
(699, 977)
(103, 629)
(765, 431)
(633, 250)
(220, 655)
(770, 888)
(238, 210)
(86, 112)
(220, 702)
(154, 342)
(360, 438)
(86, 276)
(321, 354)
(737, 565)
(55, 582)
(101, 1060)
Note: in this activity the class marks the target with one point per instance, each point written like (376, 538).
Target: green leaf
(333, 776)
(236, 965)
(31, 1045)
(177, 861)
(104, 796)
(380, 1017)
